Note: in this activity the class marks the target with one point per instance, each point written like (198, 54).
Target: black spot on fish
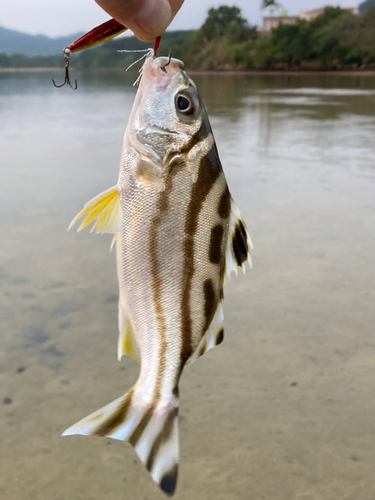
(202, 350)
(220, 336)
(239, 244)
(209, 302)
(169, 481)
(216, 242)
(224, 204)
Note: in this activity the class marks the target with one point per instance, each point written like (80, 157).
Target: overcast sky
(62, 17)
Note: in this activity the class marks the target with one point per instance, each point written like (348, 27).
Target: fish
(178, 233)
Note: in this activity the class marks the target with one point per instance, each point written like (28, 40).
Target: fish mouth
(160, 71)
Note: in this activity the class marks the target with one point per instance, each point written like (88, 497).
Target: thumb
(147, 19)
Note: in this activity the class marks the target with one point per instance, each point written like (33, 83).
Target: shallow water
(284, 408)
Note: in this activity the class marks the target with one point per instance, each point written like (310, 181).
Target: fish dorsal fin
(126, 339)
(104, 209)
(214, 335)
(239, 242)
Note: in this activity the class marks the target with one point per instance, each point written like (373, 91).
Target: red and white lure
(100, 34)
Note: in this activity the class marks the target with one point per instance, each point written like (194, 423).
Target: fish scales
(177, 232)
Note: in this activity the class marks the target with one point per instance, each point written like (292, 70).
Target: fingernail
(154, 17)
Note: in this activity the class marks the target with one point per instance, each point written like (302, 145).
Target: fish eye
(184, 104)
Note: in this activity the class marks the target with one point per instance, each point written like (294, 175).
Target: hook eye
(67, 53)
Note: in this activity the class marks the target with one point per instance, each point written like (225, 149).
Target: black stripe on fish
(224, 204)
(220, 336)
(169, 481)
(115, 420)
(138, 431)
(163, 205)
(162, 438)
(239, 244)
(209, 170)
(216, 243)
(158, 307)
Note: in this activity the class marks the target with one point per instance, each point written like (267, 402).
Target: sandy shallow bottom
(284, 408)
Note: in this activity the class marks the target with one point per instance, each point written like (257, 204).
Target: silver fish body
(178, 232)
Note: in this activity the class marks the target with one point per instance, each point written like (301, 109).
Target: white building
(270, 22)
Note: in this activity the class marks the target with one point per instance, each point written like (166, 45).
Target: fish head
(168, 111)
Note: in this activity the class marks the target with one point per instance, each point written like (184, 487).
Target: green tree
(270, 4)
(222, 21)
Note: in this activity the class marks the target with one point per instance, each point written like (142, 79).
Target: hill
(366, 5)
(16, 42)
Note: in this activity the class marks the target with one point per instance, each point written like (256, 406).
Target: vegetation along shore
(337, 39)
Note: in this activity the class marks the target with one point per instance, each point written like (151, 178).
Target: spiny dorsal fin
(239, 242)
(104, 209)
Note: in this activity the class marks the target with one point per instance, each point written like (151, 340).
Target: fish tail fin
(151, 428)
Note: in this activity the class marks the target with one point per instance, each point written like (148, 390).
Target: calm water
(284, 409)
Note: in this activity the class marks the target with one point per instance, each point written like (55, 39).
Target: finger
(147, 19)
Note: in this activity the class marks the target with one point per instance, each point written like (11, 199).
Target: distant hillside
(16, 42)
(106, 55)
(366, 5)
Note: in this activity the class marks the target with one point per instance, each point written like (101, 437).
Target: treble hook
(66, 52)
(168, 63)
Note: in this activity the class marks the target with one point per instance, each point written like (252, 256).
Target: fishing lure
(100, 34)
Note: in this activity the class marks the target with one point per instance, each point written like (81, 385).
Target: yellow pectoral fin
(104, 209)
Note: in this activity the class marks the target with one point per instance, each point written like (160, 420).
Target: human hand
(147, 19)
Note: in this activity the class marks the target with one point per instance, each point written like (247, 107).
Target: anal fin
(126, 340)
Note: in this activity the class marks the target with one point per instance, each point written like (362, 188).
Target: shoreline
(354, 72)
(26, 70)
